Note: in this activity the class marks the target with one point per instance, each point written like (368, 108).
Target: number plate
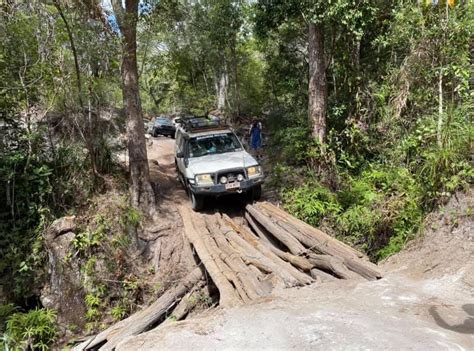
(234, 185)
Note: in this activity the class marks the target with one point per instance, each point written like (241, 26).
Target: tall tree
(334, 32)
(142, 194)
(317, 90)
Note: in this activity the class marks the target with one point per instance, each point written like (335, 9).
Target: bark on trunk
(221, 89)
(317, 92)
(141, 191)
(235, 70)
(439, 128)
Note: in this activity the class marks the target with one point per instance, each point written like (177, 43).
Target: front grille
(230, 174)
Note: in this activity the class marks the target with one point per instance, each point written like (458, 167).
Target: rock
(63, 292)
(60, 226)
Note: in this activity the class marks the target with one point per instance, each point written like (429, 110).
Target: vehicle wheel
(197, 202)
(256, 193)
(181, 179)
(172, 136)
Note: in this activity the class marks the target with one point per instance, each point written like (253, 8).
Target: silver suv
(211, 161)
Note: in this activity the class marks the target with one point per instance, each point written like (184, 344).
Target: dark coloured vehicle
(163, 126)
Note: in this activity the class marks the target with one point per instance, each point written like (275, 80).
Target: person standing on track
(256, 138)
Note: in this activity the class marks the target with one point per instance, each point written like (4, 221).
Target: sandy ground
(424, 302)
(391, 314)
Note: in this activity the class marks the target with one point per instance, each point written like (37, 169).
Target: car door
(180, 148)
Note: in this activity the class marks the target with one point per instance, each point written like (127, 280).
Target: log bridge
(272, 250)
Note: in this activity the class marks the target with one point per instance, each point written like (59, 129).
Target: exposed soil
(446, 246)
(168, 248)
(425, 300)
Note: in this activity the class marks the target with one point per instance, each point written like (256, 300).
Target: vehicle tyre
(197, 201)
(256, 193)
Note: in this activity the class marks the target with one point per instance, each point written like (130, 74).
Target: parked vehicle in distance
(212, 162)
(176, 122)
(163, 126)
(149, 127)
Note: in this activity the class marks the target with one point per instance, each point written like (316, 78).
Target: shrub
(293, 144)
(32, 330)
(5, 311)
(311, 202)
(358, 225)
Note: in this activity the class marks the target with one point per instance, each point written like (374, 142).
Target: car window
(162, 121)
(213, 144)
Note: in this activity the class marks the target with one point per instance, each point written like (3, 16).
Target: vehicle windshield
(164, 121)
(213, 144)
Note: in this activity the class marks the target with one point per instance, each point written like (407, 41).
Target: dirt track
(432, 309)
(390, 314)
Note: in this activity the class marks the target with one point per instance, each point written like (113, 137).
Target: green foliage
(311, 203)
(378, 211)
(30, 169)
(33, 330)
(5, 311)
(118, 312)
(390, 155)
(121, 241)
(87, 240)
(131, 217)
(201, 299)
(294, 144)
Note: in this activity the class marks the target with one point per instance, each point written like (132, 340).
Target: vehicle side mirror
(180, 154)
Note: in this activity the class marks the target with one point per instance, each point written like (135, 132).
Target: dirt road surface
(424, 302)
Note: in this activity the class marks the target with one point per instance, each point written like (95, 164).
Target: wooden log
(321, 242)
(194, 233)
(83, 344)
(245, 278)
(287, 239)
(364, 268)
(261, 232)
(220, 260)
(259, 254)
(332, 264)
(321, 276)
(321, 238)
(297, 261)
(183, 308)
(146, 318)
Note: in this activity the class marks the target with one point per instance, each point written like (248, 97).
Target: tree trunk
(221, 89)
(317, 92)
(439, 129)
(142, 194)
(235, 70)
(89, 138)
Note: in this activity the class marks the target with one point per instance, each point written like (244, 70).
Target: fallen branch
(143, 320)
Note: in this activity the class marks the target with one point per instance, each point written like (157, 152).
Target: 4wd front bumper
(220, 189)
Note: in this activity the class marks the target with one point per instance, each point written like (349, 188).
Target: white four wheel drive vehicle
(211, 161)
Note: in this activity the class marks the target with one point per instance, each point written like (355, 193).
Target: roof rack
(201, 124)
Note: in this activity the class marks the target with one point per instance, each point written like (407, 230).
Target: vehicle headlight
(223, 180)
(240, 177)
(204, 179)
(254, 171)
